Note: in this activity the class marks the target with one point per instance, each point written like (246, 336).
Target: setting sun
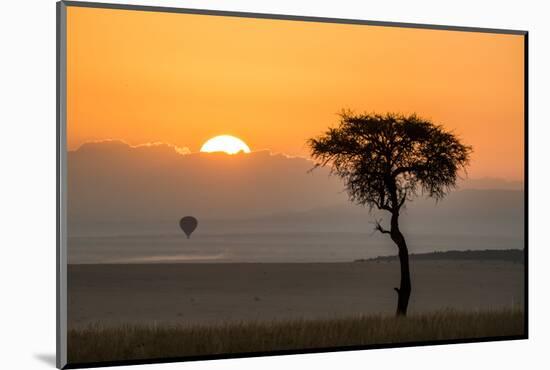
(225, 143)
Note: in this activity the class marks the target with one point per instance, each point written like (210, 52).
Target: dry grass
(95, 343)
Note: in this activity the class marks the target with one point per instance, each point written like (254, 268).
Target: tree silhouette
(387, 160)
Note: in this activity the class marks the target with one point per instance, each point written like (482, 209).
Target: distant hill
(510, 255)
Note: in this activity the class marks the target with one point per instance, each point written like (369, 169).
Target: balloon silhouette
(188, 224)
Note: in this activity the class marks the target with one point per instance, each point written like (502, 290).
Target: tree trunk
(404, 290)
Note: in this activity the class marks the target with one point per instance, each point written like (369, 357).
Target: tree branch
(384, 207)
(401, 170)
(402, 201)
(379, 227)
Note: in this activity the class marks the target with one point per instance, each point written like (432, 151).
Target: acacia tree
(387, 160)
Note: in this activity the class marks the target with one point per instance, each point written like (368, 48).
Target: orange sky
(181, 79)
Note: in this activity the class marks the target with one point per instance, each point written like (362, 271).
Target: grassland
(95, 343)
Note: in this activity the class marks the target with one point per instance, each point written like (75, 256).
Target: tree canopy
(387, 159)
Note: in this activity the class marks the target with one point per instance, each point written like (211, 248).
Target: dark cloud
(115, 188)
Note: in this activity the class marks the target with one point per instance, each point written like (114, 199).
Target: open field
(210, 293)
(133, 342)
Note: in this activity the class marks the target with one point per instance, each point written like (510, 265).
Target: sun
(225, 143)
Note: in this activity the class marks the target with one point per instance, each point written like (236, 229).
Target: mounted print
(235, 184)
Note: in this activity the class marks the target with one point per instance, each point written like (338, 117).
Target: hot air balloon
(188, 224)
